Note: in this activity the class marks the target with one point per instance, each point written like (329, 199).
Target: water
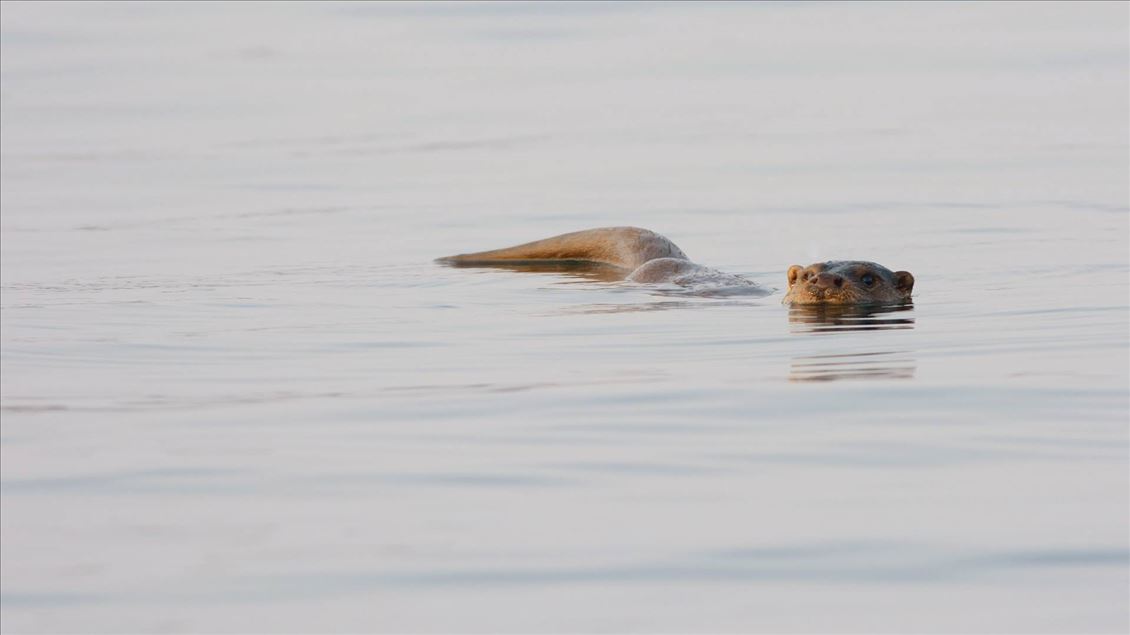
(239, 395)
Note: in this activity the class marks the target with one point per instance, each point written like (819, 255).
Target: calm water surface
(239, 395)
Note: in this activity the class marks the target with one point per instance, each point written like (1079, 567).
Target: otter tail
(627, 247)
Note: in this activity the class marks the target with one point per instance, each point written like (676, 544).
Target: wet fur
(846, 282)
(645, 256)
(624, 247)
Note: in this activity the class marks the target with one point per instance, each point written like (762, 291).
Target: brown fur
(625, 247)
(847, 282)
(645, 256)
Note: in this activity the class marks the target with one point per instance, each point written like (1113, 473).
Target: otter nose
(828, 280)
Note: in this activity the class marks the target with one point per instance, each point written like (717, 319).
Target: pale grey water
(238, 395)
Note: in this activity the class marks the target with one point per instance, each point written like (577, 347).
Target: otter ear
(904, 281)
(794, 273)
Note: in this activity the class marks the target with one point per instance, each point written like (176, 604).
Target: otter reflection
(832, 318)
(877, 365)
(829, 320)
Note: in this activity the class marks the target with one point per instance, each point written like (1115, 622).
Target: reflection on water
(819, 319)
(878, 364)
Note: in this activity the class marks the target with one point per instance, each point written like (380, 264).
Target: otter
(847, 282)
(641, 255)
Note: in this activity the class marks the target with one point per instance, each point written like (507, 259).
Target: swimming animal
(641, 255)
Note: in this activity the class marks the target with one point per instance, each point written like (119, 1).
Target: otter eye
(868, 279)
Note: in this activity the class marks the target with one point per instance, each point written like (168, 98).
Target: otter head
(847, 282)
